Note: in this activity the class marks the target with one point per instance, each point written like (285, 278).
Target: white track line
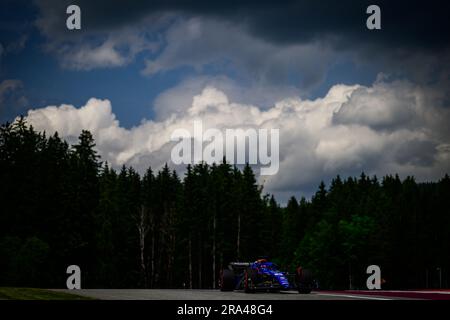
(352, 296)
(433, 292)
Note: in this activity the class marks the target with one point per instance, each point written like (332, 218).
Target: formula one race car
(265, 276)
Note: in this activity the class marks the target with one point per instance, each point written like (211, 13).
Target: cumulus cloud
(179, 98)
(93, 47)
(169, 40)
(389, 127)
(262, 43)
(199, 43)
(103, 50)
(112, 50)
(382, 106)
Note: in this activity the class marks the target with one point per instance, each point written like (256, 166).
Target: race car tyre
(227, 280)
(304, 290)
(304, 280)
(249, 281)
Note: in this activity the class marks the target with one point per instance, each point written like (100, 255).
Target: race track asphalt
(186, 294)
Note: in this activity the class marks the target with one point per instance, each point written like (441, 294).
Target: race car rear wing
(238, 265)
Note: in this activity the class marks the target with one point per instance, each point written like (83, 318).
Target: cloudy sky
(346, 99)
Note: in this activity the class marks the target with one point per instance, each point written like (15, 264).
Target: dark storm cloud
(416, 153)
(422, 24)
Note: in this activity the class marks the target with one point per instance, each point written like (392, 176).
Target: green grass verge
(37, 294)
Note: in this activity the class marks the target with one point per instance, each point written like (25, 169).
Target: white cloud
(111, 49)
(167, 39)
(381, 106)
(180, 97)
(201, 42)
(386, 128)
(114, 49)
(93, 46)
(170, 41)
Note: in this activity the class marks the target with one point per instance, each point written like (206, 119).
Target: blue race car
(263, 275)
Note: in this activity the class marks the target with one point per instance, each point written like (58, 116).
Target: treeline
(60, 205)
